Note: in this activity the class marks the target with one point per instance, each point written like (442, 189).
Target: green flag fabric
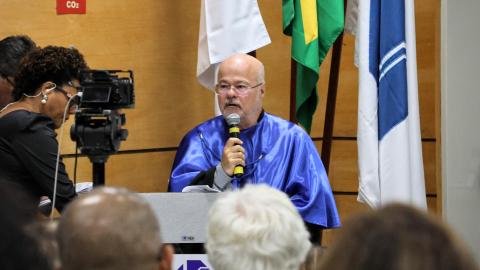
(314, 25)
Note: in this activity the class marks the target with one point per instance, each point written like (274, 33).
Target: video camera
(98, 120)
(104, 89)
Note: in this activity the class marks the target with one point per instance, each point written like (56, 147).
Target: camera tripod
(98, 134)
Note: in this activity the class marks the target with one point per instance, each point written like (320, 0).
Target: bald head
(109, 228)
(245, 72)
(255, 67)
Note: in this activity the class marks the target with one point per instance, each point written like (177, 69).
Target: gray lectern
(182, 216)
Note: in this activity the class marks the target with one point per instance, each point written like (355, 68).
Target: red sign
(71, 6)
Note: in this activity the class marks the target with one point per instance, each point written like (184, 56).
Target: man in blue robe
(271, 150)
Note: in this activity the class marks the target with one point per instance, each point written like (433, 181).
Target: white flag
(389, 142)
(351, 17)
(227, 27)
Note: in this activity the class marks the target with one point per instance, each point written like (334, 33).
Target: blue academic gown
(278, 153)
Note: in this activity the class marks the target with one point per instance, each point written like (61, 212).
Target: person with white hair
(256, 227)
(111, 228)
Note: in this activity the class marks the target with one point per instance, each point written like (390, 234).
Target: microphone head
(233, 119)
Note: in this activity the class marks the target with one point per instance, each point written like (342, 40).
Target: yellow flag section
(309, 19)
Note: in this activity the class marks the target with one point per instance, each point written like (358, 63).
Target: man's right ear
(167, 257)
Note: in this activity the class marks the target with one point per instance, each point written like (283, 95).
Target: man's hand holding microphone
(233, 157)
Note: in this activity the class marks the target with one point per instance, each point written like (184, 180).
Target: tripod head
(98, 133)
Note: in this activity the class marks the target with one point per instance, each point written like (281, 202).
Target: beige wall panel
(428, 47)
(343, 174)
(438, 129)
(147, 172)
(142, 172)
(318, 145)
(432, 205)
(347, 97)
(430, 167)
(347, 206)
(84, 169)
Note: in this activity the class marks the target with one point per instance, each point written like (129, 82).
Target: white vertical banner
(389, 139)
(227, 27)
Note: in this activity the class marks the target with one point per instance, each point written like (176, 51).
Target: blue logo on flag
(387, 61)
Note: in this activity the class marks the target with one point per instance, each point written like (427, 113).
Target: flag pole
(331, 102)
(293, 90)
(331, 99)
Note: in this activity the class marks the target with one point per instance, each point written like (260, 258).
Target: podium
(182, 216)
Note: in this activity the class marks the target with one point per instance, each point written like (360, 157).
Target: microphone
(233, 120)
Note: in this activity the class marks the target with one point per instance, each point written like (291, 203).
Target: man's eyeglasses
(241, 89)
(7, 79)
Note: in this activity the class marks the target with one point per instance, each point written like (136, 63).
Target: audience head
(397, 237)
(241, 88)
(18, 248)
(45, 234)
(314, 256)
(111, 228)
(256, 228)
(48, 78)
(12, 50)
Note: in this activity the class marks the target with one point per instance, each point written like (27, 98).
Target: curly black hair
(56, 64)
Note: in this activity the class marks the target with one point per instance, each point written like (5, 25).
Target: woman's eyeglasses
(61, 90)
(67, 94)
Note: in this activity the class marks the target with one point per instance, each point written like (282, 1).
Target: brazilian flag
(314, 25)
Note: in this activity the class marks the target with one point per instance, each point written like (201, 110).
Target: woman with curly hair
(45, 84)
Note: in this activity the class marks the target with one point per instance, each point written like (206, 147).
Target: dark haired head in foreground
(397, 237)
(12, 50)
(18, 249)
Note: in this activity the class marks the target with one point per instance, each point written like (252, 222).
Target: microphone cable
(67, 107)
(75, 163)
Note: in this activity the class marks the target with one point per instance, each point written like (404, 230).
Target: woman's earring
(44, 99)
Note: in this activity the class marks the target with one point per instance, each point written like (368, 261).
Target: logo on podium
(191, 262)
(194, 265)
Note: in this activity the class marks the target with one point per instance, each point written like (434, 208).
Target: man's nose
(231, 91)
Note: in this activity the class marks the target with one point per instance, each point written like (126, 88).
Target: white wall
(460, 109)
